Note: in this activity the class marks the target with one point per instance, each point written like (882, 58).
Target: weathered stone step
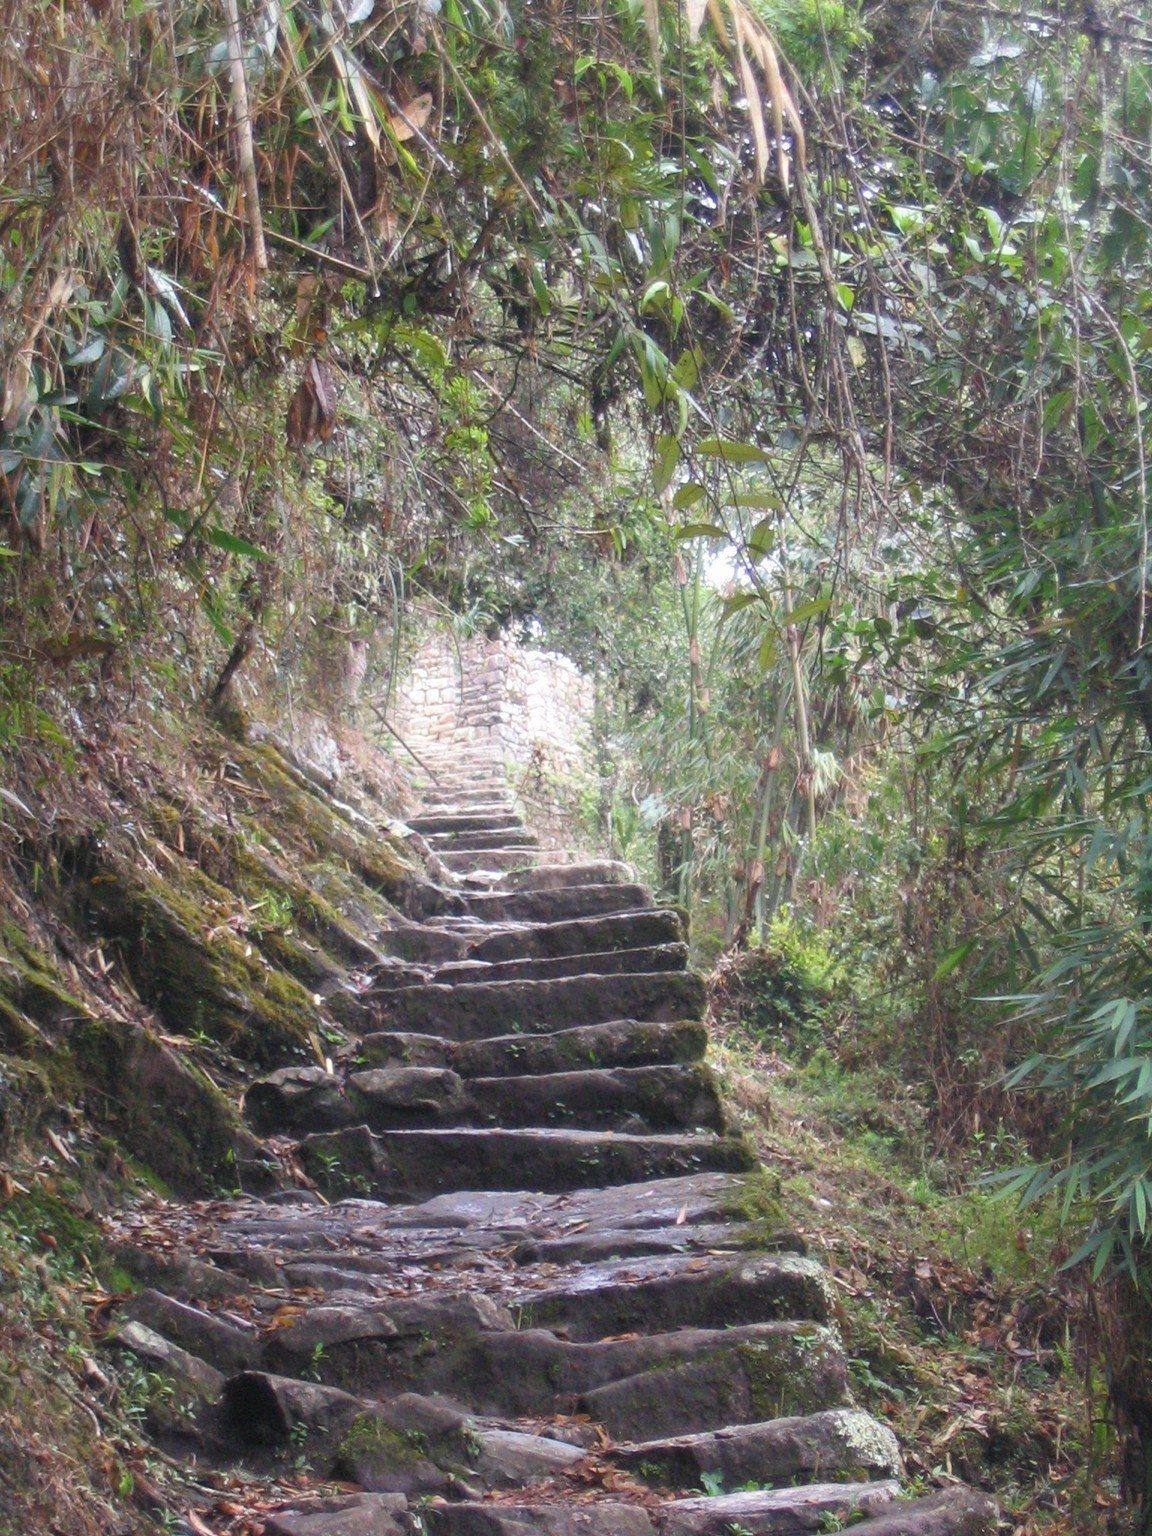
(408, 1165)
(626, 1242)
(531, 1371)
(841, 1442)
(552, 906)
(751, 1375)
(622, 1043)
(482, 792)
(466, 842)
(636, 1099)
(408, 1443)
(555, 876)
(660, 1294)
(478, 1009)
(398, 976)
(460, 1225)
(579, 935)
(495, 861)
(467, 809)
(607, 962)
(774, 1512)
(477, 819)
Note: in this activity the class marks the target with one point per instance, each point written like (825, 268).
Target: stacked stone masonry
(531, 709)
(522, 1290)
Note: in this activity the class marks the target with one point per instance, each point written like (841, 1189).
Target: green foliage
(781, 992)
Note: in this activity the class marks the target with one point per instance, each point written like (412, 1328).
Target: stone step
(656, 1295)
(552, 906)
(554, 876)
(479, 1009)
(608, 962)
(298, 1100)
(773, 1512)
(477, 819)
(466, 842)
(497, 809)
(408, 1444)
(529, 1370)
(413, 1165)
(492, 861)
(578, 936)
(752, 1374)
(840, 1442)
(635, 1099)
(622, 1043)
(625, 1242)
(483, 792)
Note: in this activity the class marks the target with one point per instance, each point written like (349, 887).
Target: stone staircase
(536, 1304)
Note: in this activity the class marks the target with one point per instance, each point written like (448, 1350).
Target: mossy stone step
(683, 1291)
(777, 1512)
(553, 906)
(786, 1368)
(577, 936)
(464, 842)
(478, 1010)
(620, 1043)
(495, 818)
(554, 876)
(409, 1165)
(840, 1442)
(533, 1371)
(396, 976)
(494, 861)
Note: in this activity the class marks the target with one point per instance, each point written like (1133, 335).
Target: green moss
(44, 1216)
(161, 1108)
(368, 1437)
(376, 858)
(280, 904)
(29, 981)
(198, 972)
(785, 1377)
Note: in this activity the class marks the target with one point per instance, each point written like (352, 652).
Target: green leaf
(234, 544)
(701, 531)
(91, 352)
(667, 458)
(763, 536)
(809, 610)
(688, 495)
(953, 959)
(732, 452)
(738, 600)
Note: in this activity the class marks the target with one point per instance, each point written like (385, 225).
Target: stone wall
(533, 708)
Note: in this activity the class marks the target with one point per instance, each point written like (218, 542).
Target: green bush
(783, 992)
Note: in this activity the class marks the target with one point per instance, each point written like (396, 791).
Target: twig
(392, 731)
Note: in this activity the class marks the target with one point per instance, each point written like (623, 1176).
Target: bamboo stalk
(242, 121)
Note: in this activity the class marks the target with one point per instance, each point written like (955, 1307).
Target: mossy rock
(283, 905)
(31, 986)
(376, 857)
(162, 1109)
(200, 974)
(25, 1096)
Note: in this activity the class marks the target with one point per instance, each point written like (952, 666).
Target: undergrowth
(960, 1326)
